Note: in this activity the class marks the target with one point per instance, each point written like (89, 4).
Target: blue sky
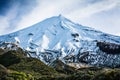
(102, 15)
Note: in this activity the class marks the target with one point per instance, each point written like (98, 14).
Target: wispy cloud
(14, 13)
(47, 8)
(76, 10)
(91, 9)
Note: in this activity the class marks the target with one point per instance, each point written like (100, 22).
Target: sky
(103, 15)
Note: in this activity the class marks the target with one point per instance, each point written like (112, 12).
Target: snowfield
(58, 37)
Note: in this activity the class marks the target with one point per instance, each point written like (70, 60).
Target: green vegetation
(9, 58)
(34, 67)
(3, 71)
(15, 65)
(109, 74)
(14, 75)
(62, 68)
(24, 67)
(94, 73)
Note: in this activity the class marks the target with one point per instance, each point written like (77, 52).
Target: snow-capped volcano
(58, 37)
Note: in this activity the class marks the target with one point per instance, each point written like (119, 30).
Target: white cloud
(72, 9)
(5, 21)
(16, 10)
(46, 9)
(76, 10)
(91, 9)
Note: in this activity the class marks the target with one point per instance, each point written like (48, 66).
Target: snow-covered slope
(58, 37)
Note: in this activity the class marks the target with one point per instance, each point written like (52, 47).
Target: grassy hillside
(15, 65)
(20, 65)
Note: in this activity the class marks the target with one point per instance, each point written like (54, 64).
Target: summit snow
(58, 37)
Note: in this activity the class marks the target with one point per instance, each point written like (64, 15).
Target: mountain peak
(61, 17)
(59, 37)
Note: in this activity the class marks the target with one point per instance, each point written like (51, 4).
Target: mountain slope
(15, 65)
(58, 37)
(19, 66)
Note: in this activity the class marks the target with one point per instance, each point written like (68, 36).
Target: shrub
(3, 71)
(9, 58)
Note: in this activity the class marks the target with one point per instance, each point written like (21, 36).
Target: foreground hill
(15, 65)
